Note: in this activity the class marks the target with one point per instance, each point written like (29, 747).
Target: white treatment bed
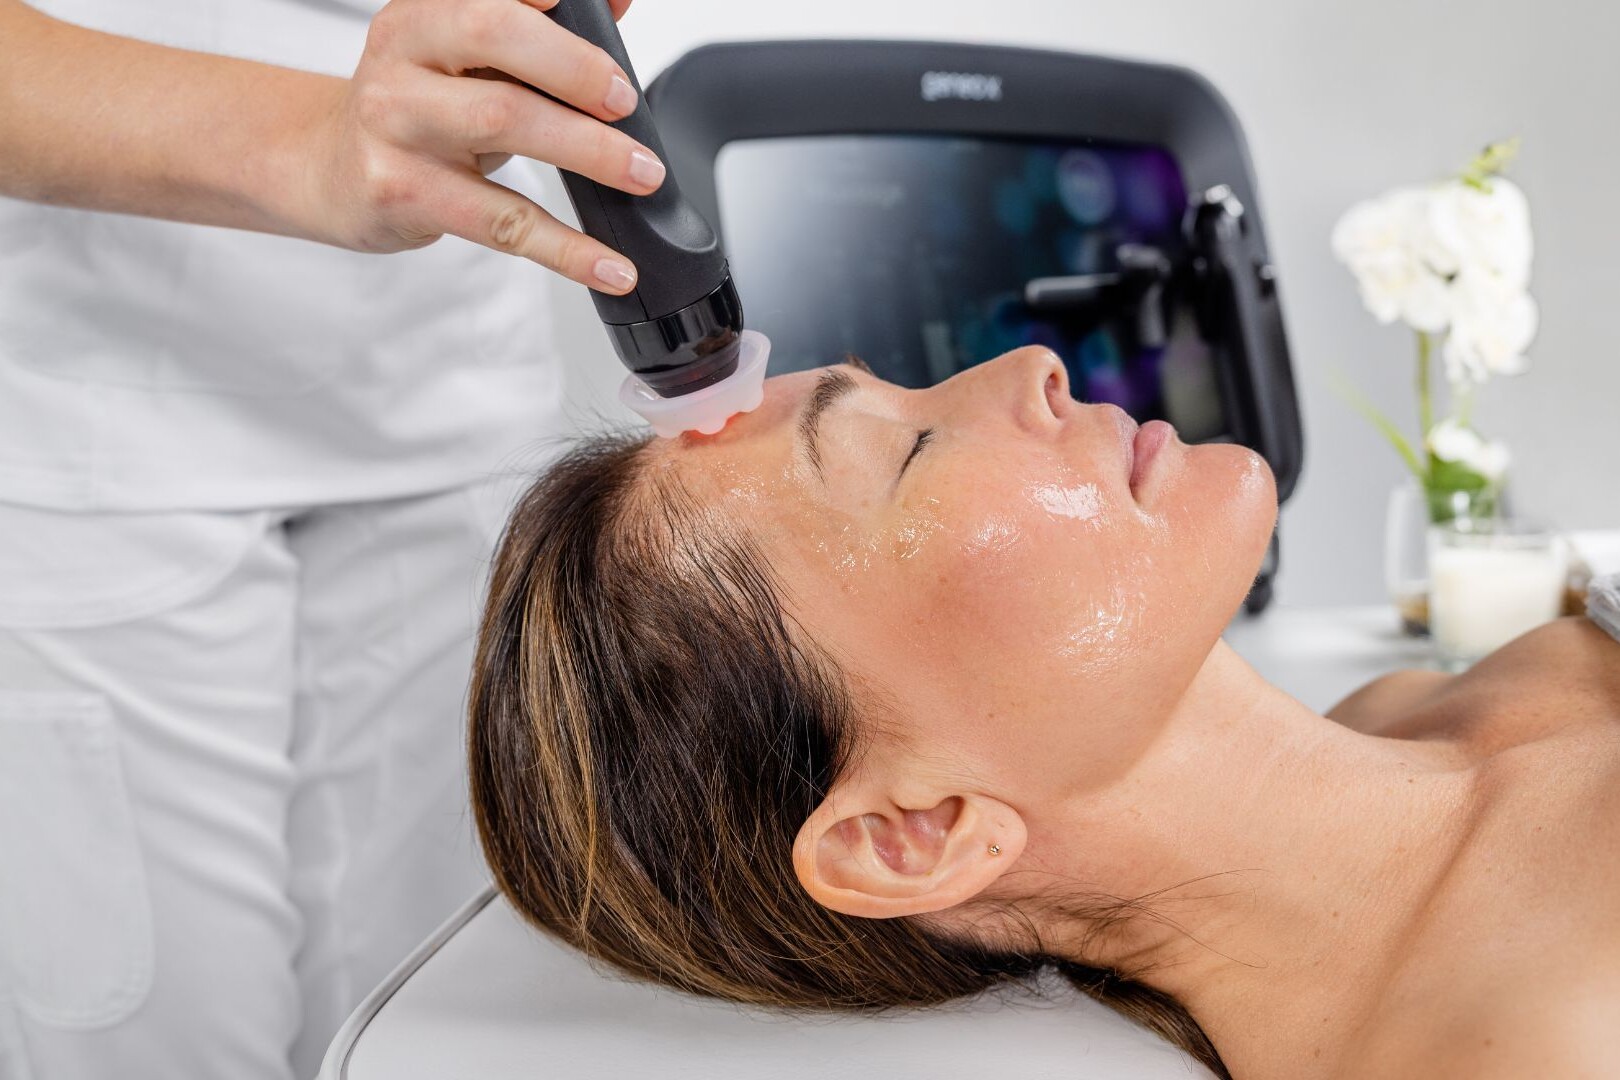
(487, 998)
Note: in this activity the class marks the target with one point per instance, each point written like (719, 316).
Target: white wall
(1339, 101)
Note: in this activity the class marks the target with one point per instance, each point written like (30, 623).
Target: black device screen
(913, 251)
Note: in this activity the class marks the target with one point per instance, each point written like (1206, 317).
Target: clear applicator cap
(707, 410)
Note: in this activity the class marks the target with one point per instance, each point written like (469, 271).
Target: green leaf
(1449, 479)
(1385, 426)
(1455, 476)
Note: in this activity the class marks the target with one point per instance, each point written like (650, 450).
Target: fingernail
(616, 275)
(645, 169)
(621, 97)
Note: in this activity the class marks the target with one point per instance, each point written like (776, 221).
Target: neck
(1280, 860)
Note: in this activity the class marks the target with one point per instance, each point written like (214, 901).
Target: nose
(1031, 384)
(1038, 385)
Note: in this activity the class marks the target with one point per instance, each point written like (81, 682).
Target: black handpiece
(678, 331)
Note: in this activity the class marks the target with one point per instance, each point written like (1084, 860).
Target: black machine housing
(1215, 274)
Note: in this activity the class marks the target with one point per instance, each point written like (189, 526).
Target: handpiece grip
(677, 254)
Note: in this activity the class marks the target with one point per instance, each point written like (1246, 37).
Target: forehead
(754, 472)
(758, 443)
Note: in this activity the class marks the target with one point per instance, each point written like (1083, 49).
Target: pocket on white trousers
(75, 916)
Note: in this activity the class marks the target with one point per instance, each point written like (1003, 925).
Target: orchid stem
(1464, 394)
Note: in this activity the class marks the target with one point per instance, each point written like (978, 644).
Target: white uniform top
(152, 366)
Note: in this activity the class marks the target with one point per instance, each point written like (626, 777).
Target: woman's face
(986, 561)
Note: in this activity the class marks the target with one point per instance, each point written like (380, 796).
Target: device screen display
(917, 253)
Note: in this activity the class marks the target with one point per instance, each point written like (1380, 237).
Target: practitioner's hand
(435, 104)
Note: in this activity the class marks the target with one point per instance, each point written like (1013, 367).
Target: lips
(1127, 428)
(1139, 443)
(1149, 440)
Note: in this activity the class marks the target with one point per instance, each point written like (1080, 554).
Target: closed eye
(924, 437)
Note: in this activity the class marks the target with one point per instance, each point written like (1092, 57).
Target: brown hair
(648, 733)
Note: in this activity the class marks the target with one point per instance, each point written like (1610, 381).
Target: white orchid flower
(1492, 461)
(1452, 261)
(1488, 228)
(1493, 322)
(1451, 441)
(1400, 263)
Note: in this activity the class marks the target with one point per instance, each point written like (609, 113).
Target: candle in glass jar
(1488, 587)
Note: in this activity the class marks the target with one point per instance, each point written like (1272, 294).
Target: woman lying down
(883, 697)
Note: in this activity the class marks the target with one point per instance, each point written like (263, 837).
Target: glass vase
(1406, 558)
(1411, 510)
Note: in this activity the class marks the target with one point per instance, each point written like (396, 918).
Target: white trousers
(231, 776)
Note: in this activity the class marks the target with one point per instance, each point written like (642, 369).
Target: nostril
(1057, 390)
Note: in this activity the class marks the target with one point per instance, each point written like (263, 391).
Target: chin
(1238, 493)
(1255, 494)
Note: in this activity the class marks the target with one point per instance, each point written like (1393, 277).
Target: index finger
(518, 39)
(618, 7)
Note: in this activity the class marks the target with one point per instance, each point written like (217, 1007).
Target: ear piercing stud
(995, 849)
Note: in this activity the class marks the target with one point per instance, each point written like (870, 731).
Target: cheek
(1066, 589)
(1051, 589)
(865, 564)
(1040, 565)
(1030, 638)
(1029, 610)
(1049, 570)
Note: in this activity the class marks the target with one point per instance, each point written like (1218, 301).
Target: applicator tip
(705, 411)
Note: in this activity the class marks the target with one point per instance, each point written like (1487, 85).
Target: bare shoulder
(1384, 705)
(1568, 669)
(1574, 650)
(1556, 676)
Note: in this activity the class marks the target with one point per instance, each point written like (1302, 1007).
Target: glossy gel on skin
(1012, 595)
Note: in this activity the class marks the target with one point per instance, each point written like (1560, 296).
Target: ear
(879, 853)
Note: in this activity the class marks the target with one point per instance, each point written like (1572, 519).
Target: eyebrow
(833, 384)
